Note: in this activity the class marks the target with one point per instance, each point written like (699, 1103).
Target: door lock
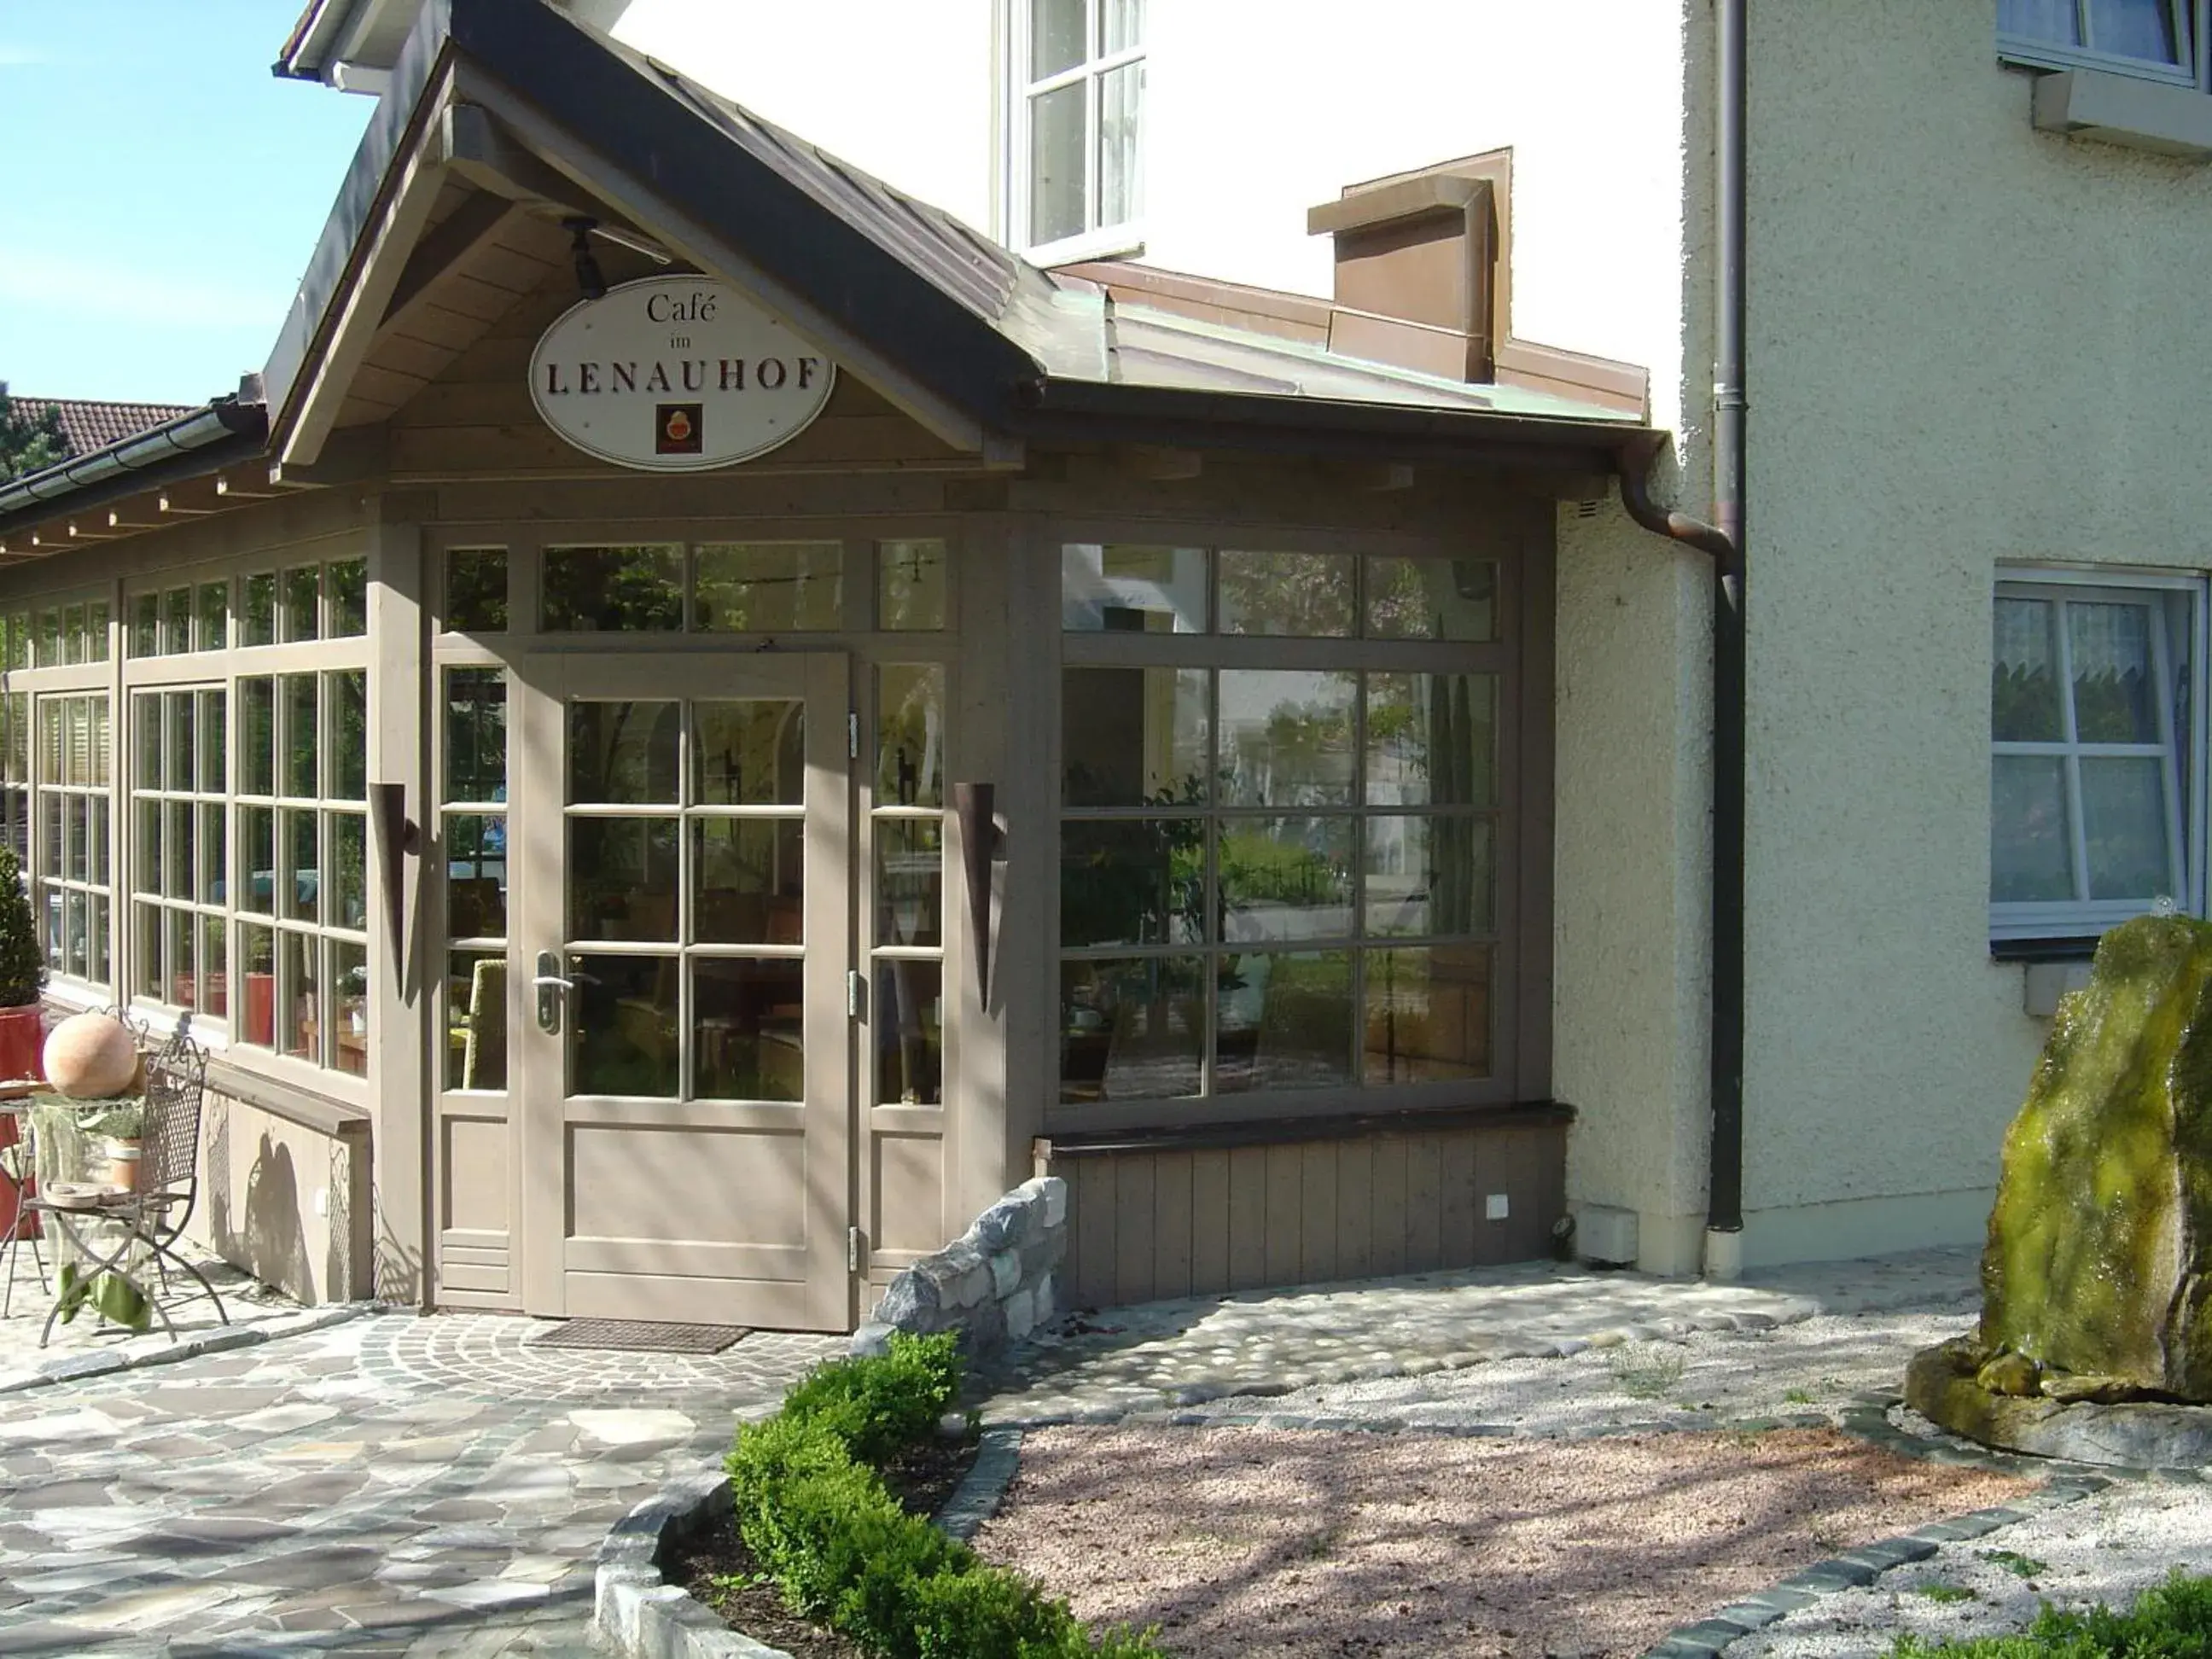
(552, 991)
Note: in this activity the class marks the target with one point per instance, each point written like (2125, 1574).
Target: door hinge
(856, 994)
(851, 734)
(852, 1249)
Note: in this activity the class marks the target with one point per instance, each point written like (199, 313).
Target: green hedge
(821, 1523)
(2173, 1621)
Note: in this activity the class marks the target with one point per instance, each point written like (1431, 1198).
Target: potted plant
(23, 975)
(113, 1134)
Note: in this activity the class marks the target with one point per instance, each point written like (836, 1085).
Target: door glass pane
(1286, 737)
(910, 585)
(1056, 163)
(748, 881)
(1282, 1020)
(1431, 739)
(622, 752)
(475, 1020)
(2030, 846)
(476, 876)
(1432, 600)
(475, 734)
(2135, 29)
(348, 1000)
(476, 591)
(1285, 879)
(910, 735)
(1132, 882)
(908, 1015)
(1428, 1014)
(1302, 595)
(302, 587)
(2114, 698)
(299, 887)
(1055, 36)
(1122, 587)
(1134, 736)
(909, 882)
(301, 735)
(1121, 154)
(1429, 875)
(769, 588)
(751, 753)
(613, 589)
(623, 1038)
(623, 878)
(2124, 821)
(1133, 1028)
(749, 1024)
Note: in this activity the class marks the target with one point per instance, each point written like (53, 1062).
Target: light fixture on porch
(589, 278)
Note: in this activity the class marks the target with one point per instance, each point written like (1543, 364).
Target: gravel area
(1267, 1544)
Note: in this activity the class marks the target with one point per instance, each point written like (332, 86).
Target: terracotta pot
(122, 1162)
(22, 1039)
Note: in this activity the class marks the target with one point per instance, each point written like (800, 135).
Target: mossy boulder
(2098, 1265)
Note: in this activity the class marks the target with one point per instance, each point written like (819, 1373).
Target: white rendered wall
(1971, 342)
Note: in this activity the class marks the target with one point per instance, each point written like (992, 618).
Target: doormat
(635, 1336)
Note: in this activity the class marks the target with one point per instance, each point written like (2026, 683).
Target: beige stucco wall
(288, 1203)
(1970, 342)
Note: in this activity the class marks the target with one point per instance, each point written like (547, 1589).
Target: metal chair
(110, 1231)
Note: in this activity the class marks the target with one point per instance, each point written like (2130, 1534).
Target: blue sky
(163, 191)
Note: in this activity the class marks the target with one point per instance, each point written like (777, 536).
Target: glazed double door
(681, 834)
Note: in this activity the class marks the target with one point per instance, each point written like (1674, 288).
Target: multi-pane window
(70, 861)
(1279, 853)
(473, 823)
(303, 871)
(179, 839)
(1077, 156)
(2091, 721)
(905, 833)
(2155, 37)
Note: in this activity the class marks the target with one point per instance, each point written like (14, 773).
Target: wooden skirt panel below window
(1173, 1220)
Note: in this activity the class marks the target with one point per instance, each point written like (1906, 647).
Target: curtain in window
(2055, 20)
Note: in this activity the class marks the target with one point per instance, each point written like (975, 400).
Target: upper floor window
(1076, 164)
(2155, 37)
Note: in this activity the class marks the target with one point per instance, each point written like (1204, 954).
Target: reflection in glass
(1129, 588)
(1303, 595)
(348, 582)
(146, 721)
(622, 1027)
(748, 877)
(183, 981)
(1134, 736)
(1286, 737)
(751, 753)
(347, 706)
(623, 878)
(301, 616)
(50, 638)
(2123, 825)
(213, 624)
(1428, 875)
(907, 1014)
(295, 977)
(95, 631)
(208, 888)
(1282, 1020)
(476, 591)
(768, 587)
(2030, 844)
(2024, 674)
(177, 621)
(1285, 879)
(475, 734)
(476, 875)
(73, 633)
(909, 882)
(257, 964)
(1055, 36)
(1132, 1029)
(348, 870)
(622, 752)
(1056, 163)
(2113, 674)
(145, 625)
(1121, 155)
(475, 1020)
(301, 888)
(1428, 1014)
(146, 940)
(97, 966)
(613, 589)
(257, 710)
(751, 1017)
(215, 998)
(213, 740)
(1431, 739)
(910, 585)
(1140, 881)
(257, 847)
(260, 609)
(910, 735)
(180, 752)
(301, 735)
(348, 1001)
(177, 848)
(1432, 600)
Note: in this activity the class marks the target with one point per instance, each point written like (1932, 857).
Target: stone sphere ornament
(91, 1056)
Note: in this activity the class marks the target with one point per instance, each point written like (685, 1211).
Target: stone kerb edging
(101, 1362)
(993, 1285)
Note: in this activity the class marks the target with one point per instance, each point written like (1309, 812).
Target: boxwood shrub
(821, 1523)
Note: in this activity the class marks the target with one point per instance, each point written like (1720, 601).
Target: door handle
(552, 990)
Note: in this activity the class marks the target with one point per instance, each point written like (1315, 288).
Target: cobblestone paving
(1095, 1367)
(391, 1485)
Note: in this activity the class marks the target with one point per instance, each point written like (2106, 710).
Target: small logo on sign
(677, 429)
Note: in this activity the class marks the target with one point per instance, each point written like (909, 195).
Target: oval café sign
(676, 374)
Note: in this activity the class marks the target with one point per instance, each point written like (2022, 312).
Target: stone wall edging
(992, 1285)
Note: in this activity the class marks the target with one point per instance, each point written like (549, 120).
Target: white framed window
(2155, 39)
(1075, 163)
(2096, 788)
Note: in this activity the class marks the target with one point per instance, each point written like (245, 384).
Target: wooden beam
(444, 248)
(80, 533)
(479, 149)
(235, 487)
(189, 500)
(117, 521)
(1160, 465)
(349, 457)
